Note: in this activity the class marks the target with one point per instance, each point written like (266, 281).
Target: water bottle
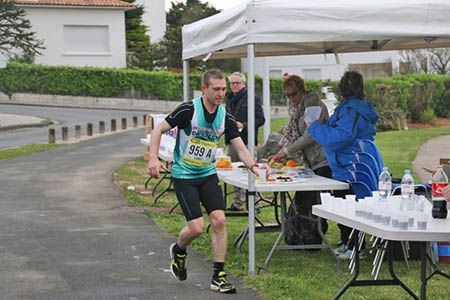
(407, 203)
(384, 185)
(438, 182)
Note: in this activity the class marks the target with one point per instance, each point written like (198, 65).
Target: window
(315, 74)
(86, 40)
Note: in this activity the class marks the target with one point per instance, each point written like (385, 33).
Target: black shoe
(178, 264)
(221, 284)
(234, 208)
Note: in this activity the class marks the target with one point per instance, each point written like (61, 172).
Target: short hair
(294, 82)
(352, 84)
(237, 74)
(213, 73)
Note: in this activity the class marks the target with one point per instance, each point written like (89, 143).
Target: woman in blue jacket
(354, 118)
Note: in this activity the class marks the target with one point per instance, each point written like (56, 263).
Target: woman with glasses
(298, 141)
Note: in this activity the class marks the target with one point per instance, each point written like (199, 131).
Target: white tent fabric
(287, 27)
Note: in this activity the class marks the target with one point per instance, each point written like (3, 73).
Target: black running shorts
(190, 192)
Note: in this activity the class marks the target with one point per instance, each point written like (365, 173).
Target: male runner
(201, 122)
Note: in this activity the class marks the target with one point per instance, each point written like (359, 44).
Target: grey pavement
(27, 130)
(64, 235)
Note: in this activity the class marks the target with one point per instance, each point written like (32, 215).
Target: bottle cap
(407, 172)
(385, 168)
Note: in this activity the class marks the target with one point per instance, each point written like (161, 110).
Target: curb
(29, 125)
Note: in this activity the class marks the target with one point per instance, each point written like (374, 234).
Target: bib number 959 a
(199, 153)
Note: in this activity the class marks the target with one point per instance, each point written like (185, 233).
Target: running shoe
(221, 284)
(178, 264)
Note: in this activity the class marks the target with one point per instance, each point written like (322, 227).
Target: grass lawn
(298, 274)
(26, 150)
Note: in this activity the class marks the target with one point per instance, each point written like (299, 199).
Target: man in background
(236, 105)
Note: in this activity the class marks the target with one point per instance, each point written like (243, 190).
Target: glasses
(235, 82)
(293, 94)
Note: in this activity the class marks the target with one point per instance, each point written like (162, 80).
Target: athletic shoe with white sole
(178, 264)
(221, 284)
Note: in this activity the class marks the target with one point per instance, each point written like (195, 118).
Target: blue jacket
(352, 119)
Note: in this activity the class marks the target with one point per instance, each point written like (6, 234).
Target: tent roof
(288, 27)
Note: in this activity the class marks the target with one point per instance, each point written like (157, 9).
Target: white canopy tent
(288, 27)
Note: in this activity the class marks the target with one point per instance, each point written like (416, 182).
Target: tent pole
(266, 98)
(251, 148)
(185, 80)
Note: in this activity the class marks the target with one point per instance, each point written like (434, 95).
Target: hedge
(108, 82)
(415, 96)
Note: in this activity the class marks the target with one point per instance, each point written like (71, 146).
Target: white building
(154, 18)
(79, 32)
(329, 66)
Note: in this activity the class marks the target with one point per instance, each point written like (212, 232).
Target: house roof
(93, 3)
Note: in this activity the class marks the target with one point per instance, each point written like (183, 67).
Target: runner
(200, 122)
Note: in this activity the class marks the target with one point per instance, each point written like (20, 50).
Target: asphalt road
(64, 235)
(65, 116)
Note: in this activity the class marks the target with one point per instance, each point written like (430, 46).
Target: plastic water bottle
(438, 182)
(384, 185)
(407, 203)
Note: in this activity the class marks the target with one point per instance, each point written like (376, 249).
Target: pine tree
(181, 14)
(140, 50)
(15, 32)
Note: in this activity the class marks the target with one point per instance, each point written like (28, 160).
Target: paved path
(63, 235)
(429, 154)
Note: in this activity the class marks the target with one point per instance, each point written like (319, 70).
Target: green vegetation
(297, 274)
(26, 150)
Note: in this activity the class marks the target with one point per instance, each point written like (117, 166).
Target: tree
(140, 52)
(433, 61)
(181, 14)
(15, 32)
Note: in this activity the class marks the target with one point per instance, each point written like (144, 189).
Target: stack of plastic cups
(369, 208)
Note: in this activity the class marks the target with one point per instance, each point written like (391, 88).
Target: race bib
(199, 153)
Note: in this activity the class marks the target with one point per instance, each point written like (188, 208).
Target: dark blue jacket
(352, 119)
(236, 105)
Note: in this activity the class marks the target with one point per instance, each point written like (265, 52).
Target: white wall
(55, 25)
(154, 18)
(324, 66)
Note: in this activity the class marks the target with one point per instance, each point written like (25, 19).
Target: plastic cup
(325, 199)
(394, 219)
(376, 196)
(376, 215)
(403, 221)
(422, 220)
(411, 221)
(262, 175)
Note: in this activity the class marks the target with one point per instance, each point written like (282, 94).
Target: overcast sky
(219, 4)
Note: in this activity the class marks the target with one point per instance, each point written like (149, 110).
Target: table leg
(280, 236)
(356, 272)
(325, 240)
(397, 280)
(423, 272)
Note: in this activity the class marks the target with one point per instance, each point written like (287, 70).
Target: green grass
(301, 274)
(26, 150)
(399, 148)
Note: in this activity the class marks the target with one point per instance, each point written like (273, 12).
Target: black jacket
(237, 107)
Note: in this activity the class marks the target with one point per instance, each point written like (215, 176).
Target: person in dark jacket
(236, 105)
(354, 118)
